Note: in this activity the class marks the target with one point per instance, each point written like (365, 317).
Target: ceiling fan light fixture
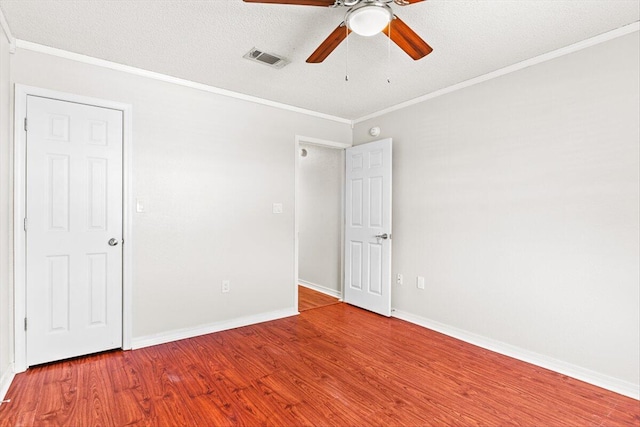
(369, 19)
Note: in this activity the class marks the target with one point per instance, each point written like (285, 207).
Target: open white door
(73, 229)
(367, 282)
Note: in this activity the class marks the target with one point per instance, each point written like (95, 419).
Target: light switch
(277, 208)
(420, 282)
(141, 206)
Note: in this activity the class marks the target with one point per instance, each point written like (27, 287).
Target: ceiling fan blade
(407, 39)
(406, 2)
(325, 3)
(329, 44)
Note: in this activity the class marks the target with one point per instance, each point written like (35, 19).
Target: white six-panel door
(73, 209)
(368, 214)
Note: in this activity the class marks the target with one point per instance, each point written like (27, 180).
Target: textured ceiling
(203, 41)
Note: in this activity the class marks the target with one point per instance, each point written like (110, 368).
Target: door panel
(356, 203)
(98, 295)
(375, 202)
(98, 189)
(58, 192)
(74, 206)
(375, 269)
(58, 289)
(368, 214)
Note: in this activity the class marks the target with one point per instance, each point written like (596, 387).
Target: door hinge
(25, 323)
(25, 224)
(25, 124)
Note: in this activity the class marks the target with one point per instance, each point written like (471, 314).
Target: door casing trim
(19, 194)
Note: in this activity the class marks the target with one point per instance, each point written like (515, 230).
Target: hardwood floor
(335, 365)
(309, 299)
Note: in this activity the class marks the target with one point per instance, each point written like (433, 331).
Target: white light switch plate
(141, 205)
(277, 208)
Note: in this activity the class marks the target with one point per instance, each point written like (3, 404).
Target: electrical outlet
(420, 282)
(399, 279)
(226, 286)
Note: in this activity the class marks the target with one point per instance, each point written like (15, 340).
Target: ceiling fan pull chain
(346, 67)
(389, 55)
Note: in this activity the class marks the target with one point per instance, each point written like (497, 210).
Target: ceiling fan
(367, 18)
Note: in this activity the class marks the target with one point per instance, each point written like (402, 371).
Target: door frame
(19, 196)
(300, 139)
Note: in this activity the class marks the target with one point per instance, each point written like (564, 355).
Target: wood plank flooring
(334, 365)
(309, 299)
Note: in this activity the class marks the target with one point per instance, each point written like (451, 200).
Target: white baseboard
(322, 289)
(180, 334)
(5, 382)
(613, 384)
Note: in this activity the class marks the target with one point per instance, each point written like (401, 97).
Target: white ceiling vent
(265, 58)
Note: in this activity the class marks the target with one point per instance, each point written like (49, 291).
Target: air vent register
(269, 59)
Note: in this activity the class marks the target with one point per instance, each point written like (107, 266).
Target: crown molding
(610, 35)
(35, 47)
(7, 33)
(601, 38)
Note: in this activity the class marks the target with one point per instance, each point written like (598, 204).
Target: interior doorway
(319, 219)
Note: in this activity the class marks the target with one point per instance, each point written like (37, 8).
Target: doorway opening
(319, 221)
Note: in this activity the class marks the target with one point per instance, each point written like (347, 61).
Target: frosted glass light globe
(368, 20)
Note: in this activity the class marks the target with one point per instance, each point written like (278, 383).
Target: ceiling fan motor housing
(351, 3)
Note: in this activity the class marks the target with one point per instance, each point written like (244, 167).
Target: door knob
(113, 242)
(381, 236)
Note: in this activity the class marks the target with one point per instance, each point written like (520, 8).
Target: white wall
(319, 191)
(209, 168)
(6, 286)
(518, 200)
